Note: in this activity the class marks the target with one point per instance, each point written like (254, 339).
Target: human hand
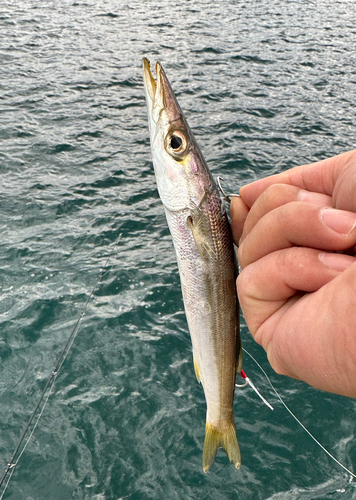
(297, 294)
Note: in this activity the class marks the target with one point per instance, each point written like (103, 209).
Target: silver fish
(206, 260)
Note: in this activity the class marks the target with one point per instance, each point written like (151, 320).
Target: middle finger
(277, 195)
(298, 224)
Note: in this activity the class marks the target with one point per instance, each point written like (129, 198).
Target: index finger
(319, 177)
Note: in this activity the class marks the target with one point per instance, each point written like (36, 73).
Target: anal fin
(197, 371)
(239, 360)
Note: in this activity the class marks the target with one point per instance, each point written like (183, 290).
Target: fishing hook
(226, 197)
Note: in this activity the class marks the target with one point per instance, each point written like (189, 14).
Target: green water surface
(265, 85)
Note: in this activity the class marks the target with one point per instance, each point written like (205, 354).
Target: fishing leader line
(297, 419)
(47, 391)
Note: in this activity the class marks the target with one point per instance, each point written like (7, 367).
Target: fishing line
(295, 418)
(47, 391)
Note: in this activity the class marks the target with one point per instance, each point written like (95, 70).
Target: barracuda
(206, 260)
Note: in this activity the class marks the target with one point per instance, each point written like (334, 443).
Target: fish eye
(176, 144)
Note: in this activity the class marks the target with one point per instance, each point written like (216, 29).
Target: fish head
(181, 173)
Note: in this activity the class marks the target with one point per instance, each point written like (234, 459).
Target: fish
(206, 259)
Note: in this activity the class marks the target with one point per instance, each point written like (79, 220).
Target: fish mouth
(154, 89)
(149, 81)
(159, 93)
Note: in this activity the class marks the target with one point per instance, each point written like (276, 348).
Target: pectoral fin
(203, 246)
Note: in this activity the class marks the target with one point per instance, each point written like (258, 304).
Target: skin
(297, 294)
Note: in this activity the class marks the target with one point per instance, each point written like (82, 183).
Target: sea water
(265, 85)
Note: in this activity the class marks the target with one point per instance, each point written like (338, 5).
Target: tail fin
(214, 439)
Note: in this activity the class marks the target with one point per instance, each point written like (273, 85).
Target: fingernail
(338, 220)
(336, 261)
(315, 198)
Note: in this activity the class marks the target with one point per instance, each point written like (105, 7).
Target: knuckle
(281, 192)
(240, 283)
(276, 364)
(285, 259)
(277, 367)
(246, 285)
(273, 190)
(243, 282)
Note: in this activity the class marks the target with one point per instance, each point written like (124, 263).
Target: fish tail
(216, 438)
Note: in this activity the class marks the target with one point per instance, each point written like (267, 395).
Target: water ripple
(265, 86)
